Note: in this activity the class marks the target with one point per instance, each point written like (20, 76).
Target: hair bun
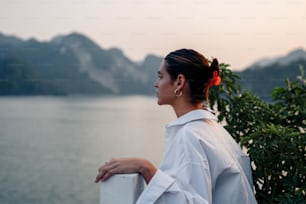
(215, 79)
(215, 65)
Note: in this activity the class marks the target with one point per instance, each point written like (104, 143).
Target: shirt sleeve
(164, 189)
(186, 181)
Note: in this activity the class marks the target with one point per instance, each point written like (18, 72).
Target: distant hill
(74, 64)
(292, 56)
(70, 64)
(261, 77)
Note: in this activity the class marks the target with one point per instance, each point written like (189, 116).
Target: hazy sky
(237, 32)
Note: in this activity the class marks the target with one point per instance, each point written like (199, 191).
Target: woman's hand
(126, 165)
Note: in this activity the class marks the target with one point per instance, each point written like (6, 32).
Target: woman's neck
(183, 108)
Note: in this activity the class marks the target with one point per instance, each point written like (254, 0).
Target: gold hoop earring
(178, 94)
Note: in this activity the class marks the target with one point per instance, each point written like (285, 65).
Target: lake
(51, 147)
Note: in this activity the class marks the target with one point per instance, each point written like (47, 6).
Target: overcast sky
(237, 32)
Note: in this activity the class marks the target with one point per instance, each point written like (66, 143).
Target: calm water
(51, 147)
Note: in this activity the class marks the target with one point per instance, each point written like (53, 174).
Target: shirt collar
(191, 116)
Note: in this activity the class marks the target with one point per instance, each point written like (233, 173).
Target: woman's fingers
(106, 171)
(124, 165)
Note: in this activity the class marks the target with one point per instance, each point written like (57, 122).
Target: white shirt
(201, 164)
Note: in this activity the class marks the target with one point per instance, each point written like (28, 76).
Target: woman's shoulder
(204, 134)
(201, 127)
(196, 132)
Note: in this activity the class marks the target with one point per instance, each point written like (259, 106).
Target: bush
(273, 134)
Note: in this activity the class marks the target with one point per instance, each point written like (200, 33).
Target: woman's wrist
(147, 170)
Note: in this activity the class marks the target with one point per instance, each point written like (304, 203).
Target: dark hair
(196, 69)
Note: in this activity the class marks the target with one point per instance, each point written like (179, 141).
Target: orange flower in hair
(215, 80)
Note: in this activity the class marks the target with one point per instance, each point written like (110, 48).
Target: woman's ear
(180, 81)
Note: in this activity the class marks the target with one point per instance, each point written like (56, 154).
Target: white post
(121, 189)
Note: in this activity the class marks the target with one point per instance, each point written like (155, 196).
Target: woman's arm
(164, 189)
(126, 165)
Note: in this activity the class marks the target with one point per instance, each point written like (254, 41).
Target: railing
(121, 189)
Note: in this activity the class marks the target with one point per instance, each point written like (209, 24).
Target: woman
(201, 162)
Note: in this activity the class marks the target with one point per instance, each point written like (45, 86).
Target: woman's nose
(155, 84)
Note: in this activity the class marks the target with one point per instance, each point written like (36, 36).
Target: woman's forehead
(162, 67)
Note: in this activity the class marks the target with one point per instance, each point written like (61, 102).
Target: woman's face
(164, 86)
